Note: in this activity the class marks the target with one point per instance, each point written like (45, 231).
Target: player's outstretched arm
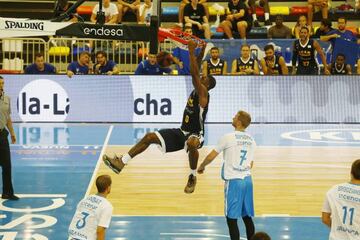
(195, 75)
(208, 159)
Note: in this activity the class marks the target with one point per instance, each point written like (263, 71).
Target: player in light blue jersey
(93, 213)
(341, 210)
(238, 151)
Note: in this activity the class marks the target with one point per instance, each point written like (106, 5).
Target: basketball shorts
(311, 70)
(239, 201)
(174, 139)
(235, 28)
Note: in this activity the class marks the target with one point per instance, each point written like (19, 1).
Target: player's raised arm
(195, 74)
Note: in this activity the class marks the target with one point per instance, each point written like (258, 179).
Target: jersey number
(351, 211)
(242, 156)
(187, 118)
(82, 222)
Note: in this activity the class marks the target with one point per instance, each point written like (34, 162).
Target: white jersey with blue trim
(91, 212)
(343, 203)
(238, 148)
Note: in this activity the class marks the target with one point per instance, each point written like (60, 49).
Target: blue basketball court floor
(54, 166)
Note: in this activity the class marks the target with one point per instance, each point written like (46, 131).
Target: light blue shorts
(239, 200)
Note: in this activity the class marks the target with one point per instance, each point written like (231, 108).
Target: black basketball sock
(249, 225)
(233, 228)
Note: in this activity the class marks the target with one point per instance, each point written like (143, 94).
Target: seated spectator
(358, 66)
(301, 22)
(215, 65)
(110, 10)
(272, 64)
(357, 5)
(40, 66)
(339, 67)
(261, 3)
(128, 5)
(260, 236)
(79, 67)
(238, 19)
(181, 10)
(279, 30)
(104, 66)
(195, 16)
(341, 32)
(181, 56)
(304, 54)
(245, 65)
(145, 11)
(317, 5)
(324, 28)
(151, 67)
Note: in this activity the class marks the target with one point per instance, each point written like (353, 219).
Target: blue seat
(170, 11)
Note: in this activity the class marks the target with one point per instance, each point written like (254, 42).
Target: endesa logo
(43, 100)
(103, 32)
(348, 136)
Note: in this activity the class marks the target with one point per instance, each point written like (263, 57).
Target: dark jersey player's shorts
(174, 139)
(310, 70)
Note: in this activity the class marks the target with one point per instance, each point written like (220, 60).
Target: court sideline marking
(99, 160)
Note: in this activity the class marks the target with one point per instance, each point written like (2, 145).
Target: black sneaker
(115, 163)
(268, 22)
(10, 197)
(190, 186)
(256, 23)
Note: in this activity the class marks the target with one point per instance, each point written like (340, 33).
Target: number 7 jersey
(343, 203)
(238, 153)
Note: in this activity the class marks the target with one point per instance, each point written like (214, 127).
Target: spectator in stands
(264, 4)
(325, 27)
(279, 30)
(238, 19)
(261, 236)
(339, 67)
(181, 56)
(110, 10)
(104, 66)
(317, 5)
(358, 66)
(215, 65)
(272, 64)
(145, 11)
(81, 66)
(181, 10)
(128, 5)
(151, 67)
(341, 32)
(195, 16)
(301, 22)
(304, 54)
(245, 65)
(40, 66)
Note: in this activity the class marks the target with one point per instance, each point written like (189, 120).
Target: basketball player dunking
(190, 136)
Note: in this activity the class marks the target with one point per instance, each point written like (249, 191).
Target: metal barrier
(18, 53)
(15, 53)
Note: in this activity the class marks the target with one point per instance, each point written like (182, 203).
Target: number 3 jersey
(91, 212)
(238, 153)
(343, 203)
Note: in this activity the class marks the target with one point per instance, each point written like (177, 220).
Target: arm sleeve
(70, 67)
(105, 217)
(140, 69)
(221, 145)
(187, 10)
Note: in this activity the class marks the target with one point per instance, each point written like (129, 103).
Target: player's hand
(69, 74)
(200, 26)
(249, 71)
(110, 73)
(201, 169)
(326, 71)
(181, 65)
(192, 45)
(13, 139)
(229, 17)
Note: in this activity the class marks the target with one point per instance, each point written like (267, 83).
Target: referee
(5, 162)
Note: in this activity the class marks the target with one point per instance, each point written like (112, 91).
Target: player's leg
(265, 5)
(233, 228)
(227, 27)
(192, 145)
(242, 26)
(248, 206)
(252, 5)
(311, 8)
(207, 32)
(233, 195)
(118, 163)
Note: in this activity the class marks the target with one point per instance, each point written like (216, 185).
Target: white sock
(267, 16)
(254, 17)
(126, 158)
(193, 172)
